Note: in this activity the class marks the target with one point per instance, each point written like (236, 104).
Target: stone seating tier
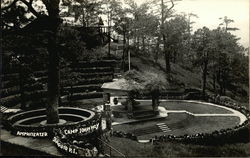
(92, 74)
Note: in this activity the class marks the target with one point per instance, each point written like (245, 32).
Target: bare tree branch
(30, 7)
(28, 4)
(168, 10)
(9, 6)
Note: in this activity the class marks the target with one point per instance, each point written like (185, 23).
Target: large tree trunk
(21, 86)
(167, 57)
(52, 7)
(204, 76)
(53, 83)
(219, 81)
(143, 44)
(214, 82)
(157, 49)
(224, 82)
(123, 52)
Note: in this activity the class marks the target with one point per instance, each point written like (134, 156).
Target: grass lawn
(179, 124)
(195, 108)
(169, 149)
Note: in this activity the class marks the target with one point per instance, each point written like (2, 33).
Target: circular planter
(79, 146)
(72, 121)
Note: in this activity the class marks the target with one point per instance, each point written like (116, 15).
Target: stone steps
(95, 74)
(9, 83)
(11, 100)
(90, 64)
(79, 96)
(7, 77)
(5, 92)
(92, 74)
(99, 80)
(83, 88)
(93, 69)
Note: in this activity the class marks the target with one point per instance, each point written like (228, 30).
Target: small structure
(122, 88)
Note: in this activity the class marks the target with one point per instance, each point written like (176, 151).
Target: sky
(209, 12)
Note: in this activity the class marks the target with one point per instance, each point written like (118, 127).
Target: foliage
(70, 42)
(216, 53)
(176, 31)
(147, 82)
(85, 12)
(226, 21)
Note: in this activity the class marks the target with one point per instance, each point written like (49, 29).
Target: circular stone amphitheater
(32, 123)
(184, 117)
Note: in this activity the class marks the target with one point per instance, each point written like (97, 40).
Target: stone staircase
(91, 74)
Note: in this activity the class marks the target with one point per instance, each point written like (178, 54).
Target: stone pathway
(31, 145)
(163, 127)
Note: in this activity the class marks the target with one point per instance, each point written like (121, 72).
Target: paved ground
(183, 117)
(16, 145)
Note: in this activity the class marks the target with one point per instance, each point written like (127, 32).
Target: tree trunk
(219, 81)
(155, 99)
(204, 80)
(137, 43)
(156, 54)
(149, 51)
(214, 82)
(143, 44)
(21, 86)
(53, 83)
(53, 66)
(224, 81)
(123, 52)
(167, 57)
(175, 56)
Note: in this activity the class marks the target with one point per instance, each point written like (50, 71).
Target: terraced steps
(89, 64)
(9, 83)
(93, 69)
(99, 80)
(79, 96)
(83, 88)
(11, 100)
(9, 91)
(95, 74)
(91, 74)
(7, 77)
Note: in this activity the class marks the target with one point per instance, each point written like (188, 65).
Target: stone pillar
(155, 100)
(107, 111)
(130, 107)
(106, 98)
(155, 103)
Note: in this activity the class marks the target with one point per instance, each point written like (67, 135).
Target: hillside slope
(182, 74)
